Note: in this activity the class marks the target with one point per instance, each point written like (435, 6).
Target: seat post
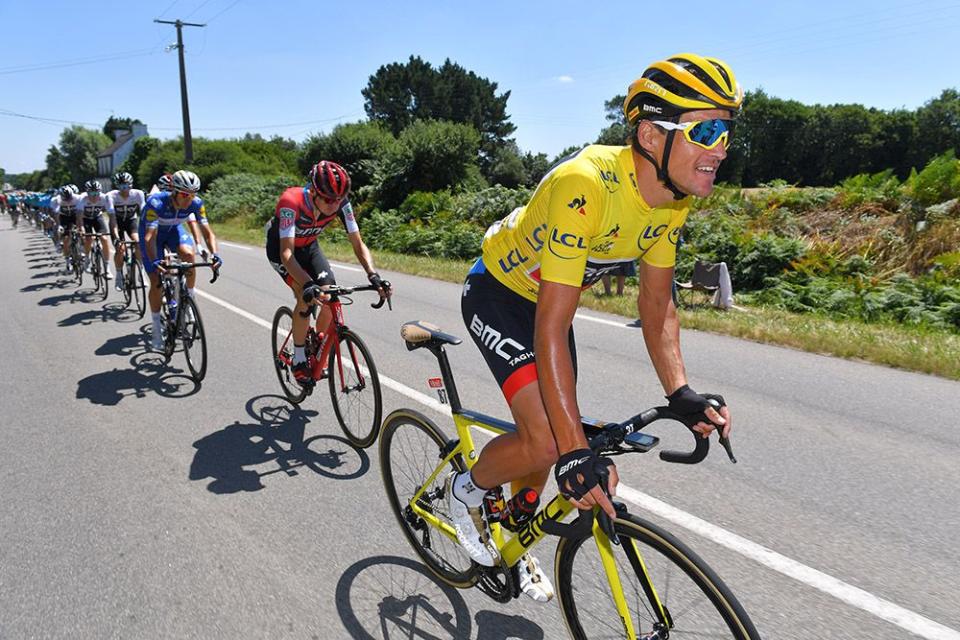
(447, 373)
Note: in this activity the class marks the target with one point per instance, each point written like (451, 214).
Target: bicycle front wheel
(355, 389)
(124, 275)
(138, 287)
(411, 447)
(667, 590)
(281, 344)
(194, 339)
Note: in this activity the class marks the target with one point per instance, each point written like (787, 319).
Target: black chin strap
(662, 173)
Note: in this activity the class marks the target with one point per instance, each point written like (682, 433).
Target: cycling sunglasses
(703, 133)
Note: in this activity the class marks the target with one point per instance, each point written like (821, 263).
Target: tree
(398, 94)
(506, 167)
(535, 166)
(938, 127)
(79, 147)
(429, 155)
(113, 123)
(142, 148)
(616, 132)
(357, 146)
(57, 166)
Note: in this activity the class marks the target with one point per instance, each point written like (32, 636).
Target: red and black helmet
(330, 180)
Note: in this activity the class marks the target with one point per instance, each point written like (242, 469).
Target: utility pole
(184, 106)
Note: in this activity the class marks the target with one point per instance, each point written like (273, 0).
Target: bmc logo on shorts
(492, 339)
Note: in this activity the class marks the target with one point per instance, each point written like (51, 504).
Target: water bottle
(520, 508)
(172, 307)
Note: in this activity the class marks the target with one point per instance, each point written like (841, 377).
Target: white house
(110, 159)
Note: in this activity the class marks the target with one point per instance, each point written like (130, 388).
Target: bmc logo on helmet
(492, 339)
(652, 109)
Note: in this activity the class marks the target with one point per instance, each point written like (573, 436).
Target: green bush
(357, 146)
(939, 180)
(882, 188)
(488, 205)
(247, 196)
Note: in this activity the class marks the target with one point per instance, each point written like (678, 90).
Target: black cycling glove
(687, 402)
(377, 281)
(580, 462)
(311, 292)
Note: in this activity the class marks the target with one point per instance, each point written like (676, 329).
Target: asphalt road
(136, 504)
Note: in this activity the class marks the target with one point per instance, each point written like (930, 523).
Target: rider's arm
(362, 252)
(556, 306)
(661, 325)
(299, 275)
(208, 235)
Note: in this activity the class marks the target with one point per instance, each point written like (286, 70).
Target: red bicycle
(345, 362)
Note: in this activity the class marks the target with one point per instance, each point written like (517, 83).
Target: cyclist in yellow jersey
(596, 209)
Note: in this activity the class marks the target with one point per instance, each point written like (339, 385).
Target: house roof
(109, 151)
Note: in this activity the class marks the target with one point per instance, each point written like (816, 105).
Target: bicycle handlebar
(336, 290)
(609, 440)
(177, 266)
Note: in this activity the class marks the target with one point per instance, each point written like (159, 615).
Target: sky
(295, 68)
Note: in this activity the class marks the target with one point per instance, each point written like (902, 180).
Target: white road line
(847, 593)
(343, 266)
(235, 245)
(612, 323)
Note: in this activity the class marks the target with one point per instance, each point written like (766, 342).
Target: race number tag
(437, 383)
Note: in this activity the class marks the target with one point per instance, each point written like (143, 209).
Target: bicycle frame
(512, 548)
(335, 326)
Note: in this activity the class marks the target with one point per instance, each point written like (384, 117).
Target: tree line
(436, 127)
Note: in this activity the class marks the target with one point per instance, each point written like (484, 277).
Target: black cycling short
(128, 225)
(310, 258)
(96, 225)
(67, 222)
(501, 324)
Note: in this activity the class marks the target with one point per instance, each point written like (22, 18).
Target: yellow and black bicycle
(622, 578)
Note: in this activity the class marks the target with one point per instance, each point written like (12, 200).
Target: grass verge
(916, 349)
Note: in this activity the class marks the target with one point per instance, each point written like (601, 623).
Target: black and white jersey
(91, 206)
(125, 208)
(61, 206)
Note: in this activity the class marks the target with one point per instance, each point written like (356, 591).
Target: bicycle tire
(407, 460)
(718, 614)
(358, 418)
(123, 276)
(193, 337)
(282, 327)
(139, 288)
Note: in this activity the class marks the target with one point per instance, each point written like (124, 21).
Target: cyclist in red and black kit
(302, 213)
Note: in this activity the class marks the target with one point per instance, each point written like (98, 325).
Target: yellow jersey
(585, 218)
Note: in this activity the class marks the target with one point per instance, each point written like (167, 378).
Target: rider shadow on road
(229, 455)
(386, 597)
(149, 375)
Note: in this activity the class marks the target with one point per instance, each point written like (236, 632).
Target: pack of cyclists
(593, 212)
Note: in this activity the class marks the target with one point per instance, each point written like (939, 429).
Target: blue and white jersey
(159, 212)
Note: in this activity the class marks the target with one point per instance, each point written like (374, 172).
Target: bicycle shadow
(230, 456)
(395, 597)
(109, 312)
(55, 301)
(149, 375)
(40, 286)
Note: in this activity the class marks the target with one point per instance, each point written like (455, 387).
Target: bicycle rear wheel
(281, 344)
(355, 389)
(194, 338)
(668, 590)
(411, 446)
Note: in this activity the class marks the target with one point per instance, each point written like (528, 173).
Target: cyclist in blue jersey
(164, 225)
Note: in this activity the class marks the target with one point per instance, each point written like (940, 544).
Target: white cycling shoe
(533, 581)
(471, 527)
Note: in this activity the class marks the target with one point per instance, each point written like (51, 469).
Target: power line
(168, 8)
(217, 15)
(107, 57)
(7, 112)
(202, 5)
